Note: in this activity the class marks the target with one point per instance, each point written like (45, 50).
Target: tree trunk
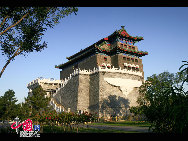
(9, 60)
(5, 66)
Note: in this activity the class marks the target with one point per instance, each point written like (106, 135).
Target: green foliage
(28, 32)
(23, 111)
(33, 104)
(66, 120)
(37, 102)
(8, 107)
(164, 103)
(184, 73)
(36, 108)
(22, 28)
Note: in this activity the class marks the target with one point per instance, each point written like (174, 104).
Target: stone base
(105, 93)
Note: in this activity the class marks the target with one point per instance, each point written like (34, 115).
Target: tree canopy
(22, 28)
(8, 106)
(164, 102)
(33, 105)
(38, 102)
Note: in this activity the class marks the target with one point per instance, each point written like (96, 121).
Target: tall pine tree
(8, 107)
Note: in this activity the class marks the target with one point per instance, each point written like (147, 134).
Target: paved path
(122, 128)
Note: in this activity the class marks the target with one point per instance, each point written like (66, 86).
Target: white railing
(119, 70)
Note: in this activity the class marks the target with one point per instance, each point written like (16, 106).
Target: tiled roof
(122, 32)
(97, 46)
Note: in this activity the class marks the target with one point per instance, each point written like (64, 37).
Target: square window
(128, 59)
(105, 58)
(132, 59)
(136, 60)
(125, 67)
(124, 58)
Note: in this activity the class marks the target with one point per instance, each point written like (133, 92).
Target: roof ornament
(122, 27)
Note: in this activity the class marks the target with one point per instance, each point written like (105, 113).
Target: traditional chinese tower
(103, 78)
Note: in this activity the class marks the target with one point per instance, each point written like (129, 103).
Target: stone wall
(105, 91)
(94, 93)
(119, 94)
(83, 92)
(68, 95)
(108, 97)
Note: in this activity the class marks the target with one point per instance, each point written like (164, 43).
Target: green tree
(38, 102)
(2, 107)
(164, 103)
(22, 28)
(184, 72)
(8, 107)
(23, 110)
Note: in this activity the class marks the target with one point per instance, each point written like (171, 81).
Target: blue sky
(165, 32)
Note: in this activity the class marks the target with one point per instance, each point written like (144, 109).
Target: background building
(49, 85)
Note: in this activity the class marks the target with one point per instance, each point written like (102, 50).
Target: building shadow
(114, 106)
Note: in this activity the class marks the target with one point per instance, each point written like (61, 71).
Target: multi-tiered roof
(109, 46)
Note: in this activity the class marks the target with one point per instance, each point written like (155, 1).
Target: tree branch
(4, 20)
(18, 51)
(14, 24)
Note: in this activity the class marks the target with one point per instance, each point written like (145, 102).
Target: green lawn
(60, 129)
(57, 129)
(124, 123)
(90, 130)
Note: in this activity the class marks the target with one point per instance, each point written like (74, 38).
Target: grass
(91, 130)
(124, 123)
(57, 129)
(60, 129)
